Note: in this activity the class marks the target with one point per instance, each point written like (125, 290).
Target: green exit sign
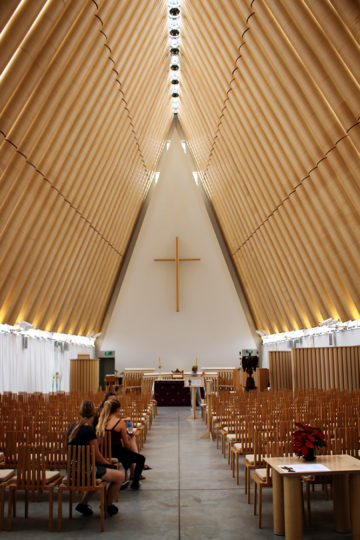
(107, 353)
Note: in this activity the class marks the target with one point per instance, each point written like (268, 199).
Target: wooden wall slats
(280, 370)
(270, 117)
(325, 368)
(285, 143)
(315, 367)
(77, 153)
(17, 27)
(84, 375)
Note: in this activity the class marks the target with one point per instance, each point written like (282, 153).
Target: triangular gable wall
(144, 324)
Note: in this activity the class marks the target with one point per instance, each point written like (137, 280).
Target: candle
(196, 361)
(159, 363)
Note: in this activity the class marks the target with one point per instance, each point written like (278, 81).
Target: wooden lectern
(193, 383)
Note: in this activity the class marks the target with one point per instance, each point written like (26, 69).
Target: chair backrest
(11, 449)
(31, 466)
(81, 468)
(56, 450)
(105, 445)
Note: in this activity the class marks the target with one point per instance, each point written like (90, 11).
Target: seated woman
(132, 440)
(108, 397)
(81, 433)
(122, 446)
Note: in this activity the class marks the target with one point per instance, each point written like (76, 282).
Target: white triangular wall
(144, 324)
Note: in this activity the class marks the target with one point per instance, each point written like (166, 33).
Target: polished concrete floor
(189, 493)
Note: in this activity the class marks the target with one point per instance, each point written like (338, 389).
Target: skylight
(174, 51)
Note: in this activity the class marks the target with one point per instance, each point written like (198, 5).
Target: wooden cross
(176, 260)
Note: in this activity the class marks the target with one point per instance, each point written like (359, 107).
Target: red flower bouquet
(306, 439)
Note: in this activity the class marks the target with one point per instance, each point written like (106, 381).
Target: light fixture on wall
(329, 322)
(262, 333)
(94, 336)
(24, 325)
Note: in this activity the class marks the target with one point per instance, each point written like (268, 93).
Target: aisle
(192, 489)
(189, 494)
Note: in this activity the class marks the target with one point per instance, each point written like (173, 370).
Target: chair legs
(256, 484)
(102, 508)
(2, 503)
(59, 510)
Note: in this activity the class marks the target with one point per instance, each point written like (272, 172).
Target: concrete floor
(189, 493)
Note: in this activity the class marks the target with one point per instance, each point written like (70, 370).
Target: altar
(168, 389)
(171, 393)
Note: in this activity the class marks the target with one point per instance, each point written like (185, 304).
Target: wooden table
(287, 495)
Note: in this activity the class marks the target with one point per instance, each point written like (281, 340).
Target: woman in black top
(82, 433)
(110, 420)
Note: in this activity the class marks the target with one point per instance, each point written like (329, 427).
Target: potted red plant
(306, 438)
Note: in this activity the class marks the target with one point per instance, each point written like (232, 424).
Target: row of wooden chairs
(33, 458)
(31, 475)
(256, 425)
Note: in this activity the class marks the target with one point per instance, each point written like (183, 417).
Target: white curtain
(34, 369)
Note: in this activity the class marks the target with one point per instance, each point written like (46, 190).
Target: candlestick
(196, 361)
(159, 363)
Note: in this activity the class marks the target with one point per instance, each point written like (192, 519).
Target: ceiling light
(174, 12)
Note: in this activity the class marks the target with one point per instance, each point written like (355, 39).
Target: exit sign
(107, 353)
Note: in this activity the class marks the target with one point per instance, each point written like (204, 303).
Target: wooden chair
(32, 476)
(255, 461)
(262, 476)
(55, 450)
(244, 447)
(105, 449)
(261, 479)
(81, 476)
(5, 478)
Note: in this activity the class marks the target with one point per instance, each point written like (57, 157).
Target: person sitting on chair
(194, 373)
(122, 443)
(82, 433)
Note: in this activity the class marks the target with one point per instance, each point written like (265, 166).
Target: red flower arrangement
(306, 439)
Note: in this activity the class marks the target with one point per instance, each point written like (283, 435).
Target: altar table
(171, 392)
(287, 496)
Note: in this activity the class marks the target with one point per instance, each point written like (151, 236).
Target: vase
(310, 456)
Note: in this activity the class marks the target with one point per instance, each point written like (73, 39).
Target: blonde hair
(87, 410)
(110, 407)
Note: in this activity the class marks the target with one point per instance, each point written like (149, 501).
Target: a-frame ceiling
(269, 104)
